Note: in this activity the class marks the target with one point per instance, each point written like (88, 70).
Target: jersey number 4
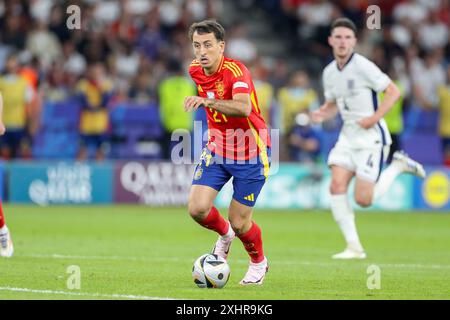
(370, 161)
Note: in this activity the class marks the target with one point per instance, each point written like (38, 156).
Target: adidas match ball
(210, 271)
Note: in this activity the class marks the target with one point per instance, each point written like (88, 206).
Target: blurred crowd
(137, 52)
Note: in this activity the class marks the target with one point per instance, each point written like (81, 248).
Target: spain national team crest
(220, 88)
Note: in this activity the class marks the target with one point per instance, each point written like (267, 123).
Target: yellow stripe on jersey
(255, 105)
(263, 149)
(235, 67)
(199, 88)
(232, 70)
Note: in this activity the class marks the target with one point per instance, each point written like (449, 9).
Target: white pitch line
(285, 262)
(384, 265)
(80, 257)
(85, 294)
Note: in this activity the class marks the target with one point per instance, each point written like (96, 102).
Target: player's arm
(239, 106)
(326, 112)
(391, 95)
(2, 126)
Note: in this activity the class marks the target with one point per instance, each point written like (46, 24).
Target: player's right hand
(192, 103)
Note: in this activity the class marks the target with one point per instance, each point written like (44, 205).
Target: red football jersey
(238, 138)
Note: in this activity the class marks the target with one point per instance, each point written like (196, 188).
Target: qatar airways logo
(234, 146)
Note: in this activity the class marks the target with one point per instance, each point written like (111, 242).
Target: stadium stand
(136, 40)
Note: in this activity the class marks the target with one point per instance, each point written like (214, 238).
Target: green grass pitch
(137, 252)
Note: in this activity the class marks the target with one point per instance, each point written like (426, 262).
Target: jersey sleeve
(377, 80)
(327, 92)
(193, 70)
(239, 78)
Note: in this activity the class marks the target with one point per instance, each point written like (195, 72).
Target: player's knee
(337, 187)
(239, 226)
(198, 210)
(363, 201)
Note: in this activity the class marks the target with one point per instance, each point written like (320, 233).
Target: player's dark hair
(208, 26)
(343, 22)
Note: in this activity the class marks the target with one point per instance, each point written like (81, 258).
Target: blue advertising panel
(296, 186)
(60, 183)
(434, 191)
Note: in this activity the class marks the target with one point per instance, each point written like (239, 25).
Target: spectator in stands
(433, 34)
(55, 88)
(264, 91)
(279, 74)
(152, 40)
(427, 76)
(44, 44)
(29, 70)
(172, 92)
(142, 91)
(394, 118)
(12, 25)
(315, 17)
(125, 28)
(125, 60)
(239, 46)
(412, 12)
(444, 119)
(297, 96)
(154, 32)
(17, 95)
(94, 92)
(57, 23)
(74, 62)
(304, 142)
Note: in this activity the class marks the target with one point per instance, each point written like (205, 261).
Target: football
(210, 271)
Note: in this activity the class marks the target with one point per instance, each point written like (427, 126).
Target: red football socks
(252, 241)
(2, 217)
(216, 222)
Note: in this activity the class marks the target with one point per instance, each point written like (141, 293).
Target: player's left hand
(192, 103)
(368, 122)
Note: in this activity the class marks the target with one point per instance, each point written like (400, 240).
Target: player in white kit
(351, 83)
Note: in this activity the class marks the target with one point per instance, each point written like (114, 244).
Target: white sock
(387, 177)
(345, 217)
(229, 233)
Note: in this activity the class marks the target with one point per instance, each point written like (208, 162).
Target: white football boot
(256, 273)
(408, 164)
(222, 246)
(6, 245)
(350, 253)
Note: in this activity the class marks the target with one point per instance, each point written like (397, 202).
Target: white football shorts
(366, 163)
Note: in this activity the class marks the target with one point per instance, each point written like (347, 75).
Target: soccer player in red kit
(6, 245)
(238, 147)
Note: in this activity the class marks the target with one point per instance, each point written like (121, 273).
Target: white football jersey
(354, 89)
